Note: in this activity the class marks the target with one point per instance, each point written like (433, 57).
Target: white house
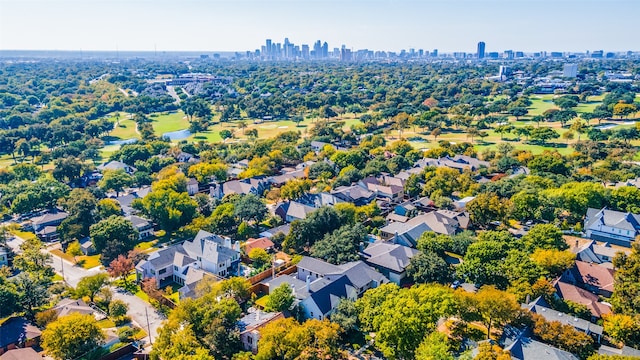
(610, 226)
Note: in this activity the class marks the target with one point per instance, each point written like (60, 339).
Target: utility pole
(146, 312)
(62, 265)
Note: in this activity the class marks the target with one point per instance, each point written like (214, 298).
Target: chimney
(258, 314)
(309, 283)
(528, 299)
(236, 246)
(577, 242)
(227, 242)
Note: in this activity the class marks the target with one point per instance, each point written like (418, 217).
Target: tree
(116, 180)
(31, 259)
(490, 351)
(280, 299)
(340, 246)
(434, 346)
(203, 172)
(518, 112)
(495, 307)
(72, 336)
(486, 208)
(74, 249)
(288, 339)
(108, 207)
(121, 267)
(113, 236)
(91, 285)
(553, 261)
(543, 134)
(118, 309)
(82, 207)
(565, 337)
(428, 267)
(32, 292)
(621, 109)
(544, 236)
(250, 208)
(622, 328)
(626, 199)
(259, 257)
(345, 315)
(168, 208)
(294, 189)
(225, 134)
(626, 292)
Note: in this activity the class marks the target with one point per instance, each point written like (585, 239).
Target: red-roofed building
(581, 296)
(592, 277)
(259, 243)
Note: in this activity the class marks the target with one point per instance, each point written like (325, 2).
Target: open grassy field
(168, 122)
(126, 129)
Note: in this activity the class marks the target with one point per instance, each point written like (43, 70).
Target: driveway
(138, 311)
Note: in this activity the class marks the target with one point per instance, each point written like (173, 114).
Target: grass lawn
(262, 302)
(57, 277)
(125, 130)
(106, 323)
(145, 245)
(140, 334)
(87, 262)
(168, 122)
(26, 235)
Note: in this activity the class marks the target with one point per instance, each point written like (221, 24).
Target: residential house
(86, 246)
(626, 351)
(461, 204)
(542, 308)
(18, 332)
(21, 354)
(256, 186)
(260, 243)
(577, 295)
(270, 233)
(593, 252)
(190, 278)
(389, 258)
(186, 157)
(384, 187)
(211, 253)
(406, 208)
(355, 194)
(214, 253)
(319, 200)
(126, 199)
(458, 162)
(70, 306)
(441, 221)
(318, 146)
(192, 187)
(292, 210)
(279, 180)
(522, 347)
(424, 204)
(610, 226)
(144, 226)
(46, 226)
(595, 278)
(251, 324)
(117, 165)
(318, 286)
(393, 217)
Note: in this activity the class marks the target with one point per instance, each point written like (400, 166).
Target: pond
(121, 142)
(613, 126)
(177, 135)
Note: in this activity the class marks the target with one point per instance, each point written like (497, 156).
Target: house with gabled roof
(18, 332)
(389, 258)
(541, 307)
(256, 186)
(610, 226)
(289, 211)
(117, 165)
(595, 278)
(581, 296)
(355, 194)
(442, 222)
(250, 325)
(522, 347)
(592, 252)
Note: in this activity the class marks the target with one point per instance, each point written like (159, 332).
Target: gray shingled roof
(390, 256)
(617, 219)
(209, 246)
(566, 319)
(317, 266)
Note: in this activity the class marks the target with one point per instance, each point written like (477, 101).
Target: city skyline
(241, 25)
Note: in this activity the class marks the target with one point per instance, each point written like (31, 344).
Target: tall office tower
(305, 51)
(508, 54)
(325, 50)
(268, 48)
(570, 70)
(434, 53)
(317, 49)
(481, 50)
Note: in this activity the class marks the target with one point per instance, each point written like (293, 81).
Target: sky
(239, 25)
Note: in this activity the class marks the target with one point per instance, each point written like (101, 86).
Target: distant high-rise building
(508, 54)
(305, 51)
(434, 53)
(325, 50)
(481, 50)
(268, 48)
(570, 70)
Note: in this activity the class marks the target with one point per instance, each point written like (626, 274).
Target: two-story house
(610, 226)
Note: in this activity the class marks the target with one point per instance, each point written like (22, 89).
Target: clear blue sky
(237, 25)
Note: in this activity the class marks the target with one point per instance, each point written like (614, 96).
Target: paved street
(73, 274)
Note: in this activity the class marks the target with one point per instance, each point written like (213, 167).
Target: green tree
(428, 267)
(32, 259)
(544, 236)
(280, 298)
(74, 249)
(113, 236)
(554, 262)
(250, 208)
(118, 309)
(32, 291)
(486, 208)
(116, 180)
(72, 336)
(435, 346)
(259, 257)
(495, 307)
(340, 246)
(170, 209)
(626, 291)
(108, 207)
(622, 328)
(91, 285)
(294, 189)
(345, 315)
